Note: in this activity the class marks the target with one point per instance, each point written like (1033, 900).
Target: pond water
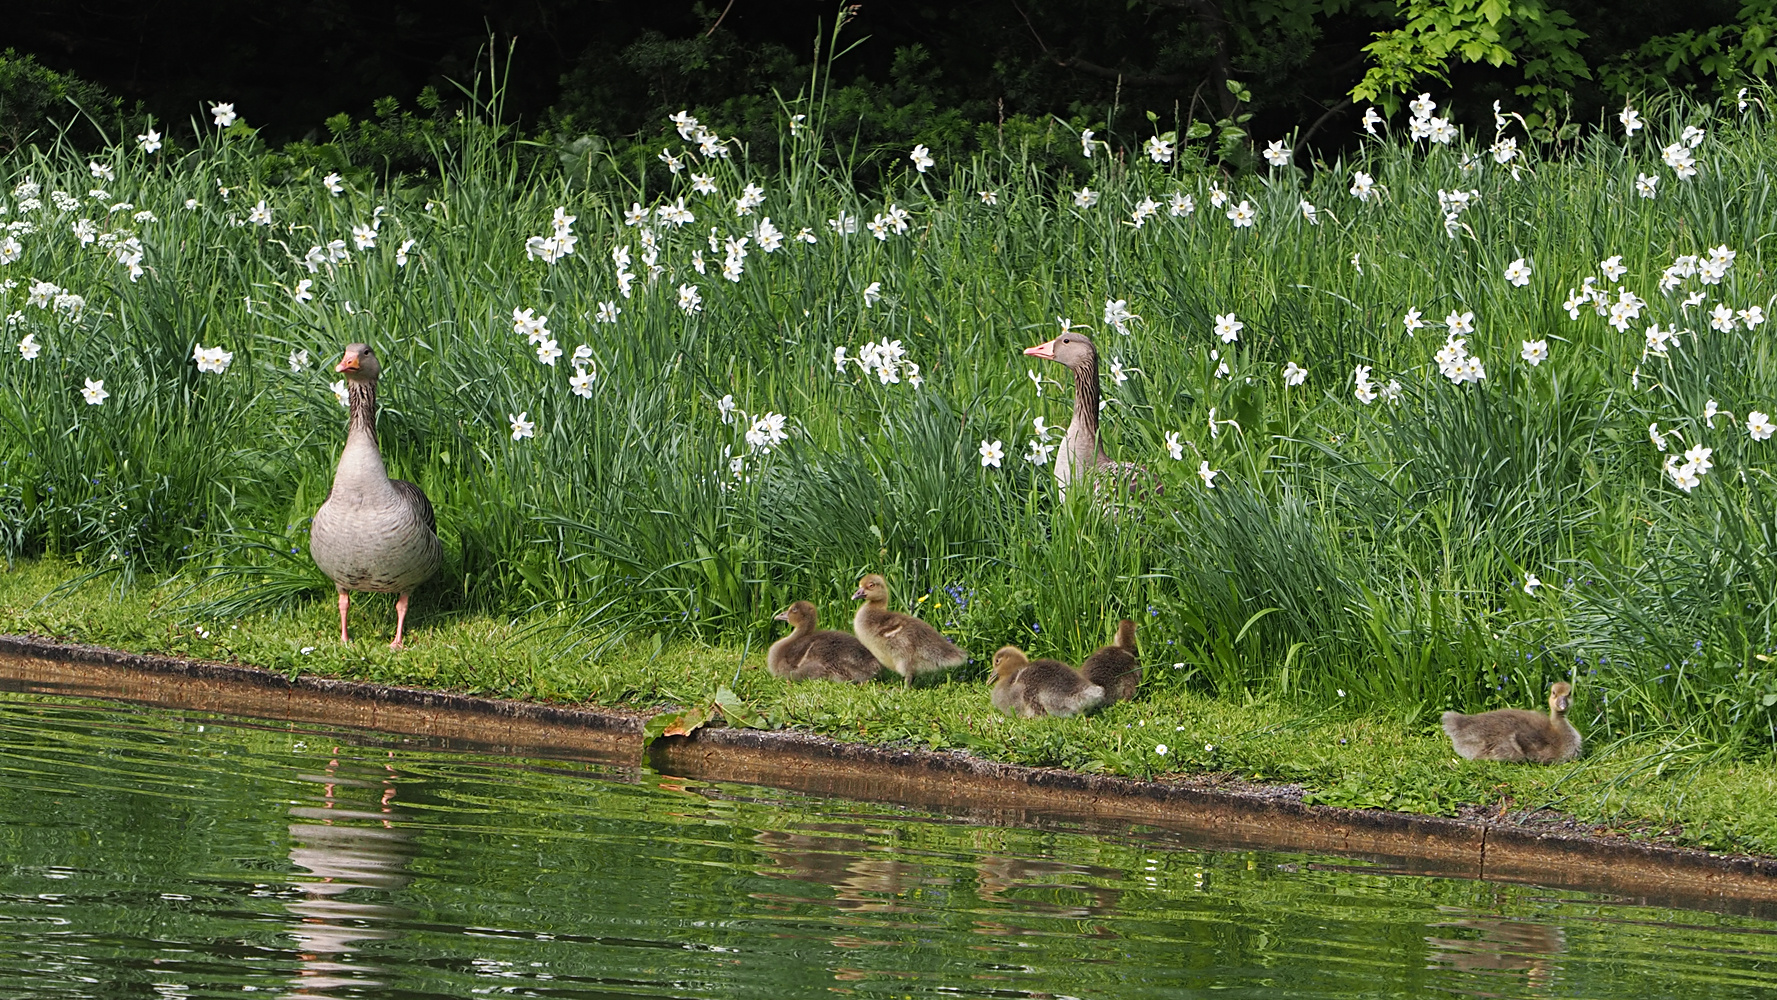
(150, 853)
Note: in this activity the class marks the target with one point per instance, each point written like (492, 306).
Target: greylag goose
(1028, 689)
(373, 533)
(908, 645)
(1517, 734)
(1080, 456)
(811, 654)
(1116, 667)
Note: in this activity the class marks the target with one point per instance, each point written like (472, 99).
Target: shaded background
(615, 68)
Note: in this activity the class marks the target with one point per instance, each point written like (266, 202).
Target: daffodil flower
(94, 392)
(992, 452)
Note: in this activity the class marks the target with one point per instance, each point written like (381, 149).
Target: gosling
(1022, 688)
(1516, 734)
(1116, 667)
(811, 654)
(906, 644)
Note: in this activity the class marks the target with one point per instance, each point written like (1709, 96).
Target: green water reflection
(147, 853)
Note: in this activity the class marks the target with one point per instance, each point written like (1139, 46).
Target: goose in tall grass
(906, 644)
(1028, 689)
(1116, 667)
(373, 533)
(1517, 734)
(1080, 457)
(812, 654)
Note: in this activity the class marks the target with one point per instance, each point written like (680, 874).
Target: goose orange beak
(349, 363)
(1043, 350)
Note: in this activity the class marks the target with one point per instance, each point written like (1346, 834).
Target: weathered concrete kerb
(980, 790)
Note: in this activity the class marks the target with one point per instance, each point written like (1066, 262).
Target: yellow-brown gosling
(812, 654)
(1517, 734)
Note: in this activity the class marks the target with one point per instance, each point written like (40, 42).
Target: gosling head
(1560, 696)
(872, 588)
(359, 364)
(1126, 635)
(1007, 662)
(798, 614)
(1072, 349)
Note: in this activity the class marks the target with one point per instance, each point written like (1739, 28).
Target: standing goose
(1516, 734)
(1080, 457)
(908, 645)
(1117, 667)
(373, 533)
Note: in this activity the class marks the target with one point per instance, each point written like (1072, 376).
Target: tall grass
(1374, 552)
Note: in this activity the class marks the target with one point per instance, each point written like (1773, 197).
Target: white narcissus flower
(548, 350)
(580, 383)
(94, 392)
(1241, 215)
(922, 158)
(332, 183)
(872, 293)
(1518, 272)
(29, 348)
(989, 197)
(259, 215)
(299, 359)
(1294, 375)
(1180, 204)
(690, 300)
(1085, 198)
(1759, 426)
(1654, 435)
(1310, 213)
(340, 393)
(1412, 321)
(521, 427)
(211, 359)
(1086, 143)
(992, 453)
(1228, 328)
(1612, 267)
(1646, 186)
(1276, 154)
(607, 312)
(1174, 446)
(148, 141)
(1631, 120)
(1159, 149)
(224, 115)
(1207, 474)
(1039, 452)
(1535, 352)
(403, 250)
(1531, 583)
(1362, 186)
(1460, 322)
(1371, 120)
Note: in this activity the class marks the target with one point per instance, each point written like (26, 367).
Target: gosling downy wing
(1050, 687)
(836, 656)
(1116, 668)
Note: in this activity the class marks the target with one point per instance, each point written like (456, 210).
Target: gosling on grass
(1025, 688)
(906, 644)
(1516, 734)
(1116, 667)
(809, 653)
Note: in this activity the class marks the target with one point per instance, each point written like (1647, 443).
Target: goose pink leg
(400, 620)
(345, 601)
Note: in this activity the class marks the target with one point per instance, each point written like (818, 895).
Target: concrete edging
(980, 789)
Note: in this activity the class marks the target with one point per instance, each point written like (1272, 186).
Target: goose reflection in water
(355, 853)
(1501, 946)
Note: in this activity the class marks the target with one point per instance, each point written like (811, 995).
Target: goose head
(798, 614)
(1560, 696)
(359, 364)
(1007, 662)
(1072, 349)
(872, 588)
(1126, 635)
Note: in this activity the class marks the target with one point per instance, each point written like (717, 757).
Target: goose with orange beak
(1080, 457)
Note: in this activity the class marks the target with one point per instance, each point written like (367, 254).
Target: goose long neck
(1085, 420)
(361, 469)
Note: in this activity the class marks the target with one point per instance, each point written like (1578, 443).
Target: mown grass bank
(1666, 786)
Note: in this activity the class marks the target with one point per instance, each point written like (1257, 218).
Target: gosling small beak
(349, 363)
(1043, 350)
(1561, 703)
(781, 616)
(859, 595)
